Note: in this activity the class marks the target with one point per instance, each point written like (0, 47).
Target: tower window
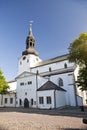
(37, 59)
(30, 43)
(24, 58)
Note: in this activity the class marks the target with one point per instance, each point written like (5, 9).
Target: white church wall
(27, 61)
(27, 90)
(68, 85)
(53, 66)
(45, 94)
(23, 64)
(71, 95)
(60, 98)
(79, 101)
(34, 60)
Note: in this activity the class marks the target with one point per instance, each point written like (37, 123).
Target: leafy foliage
(82, 79)
(3, 84)
(78, 54)
(78, 50)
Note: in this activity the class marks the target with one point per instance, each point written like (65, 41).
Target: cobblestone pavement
(35, 119)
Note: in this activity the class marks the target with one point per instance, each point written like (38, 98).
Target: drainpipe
(75, 90)
(36, 91)
(15, 99)
(54, 98)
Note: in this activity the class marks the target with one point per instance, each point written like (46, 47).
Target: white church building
(43, 84)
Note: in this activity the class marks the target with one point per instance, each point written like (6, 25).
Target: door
(26, 103)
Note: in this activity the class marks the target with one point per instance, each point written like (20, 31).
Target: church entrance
(26, 103)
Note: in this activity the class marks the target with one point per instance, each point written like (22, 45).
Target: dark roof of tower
(30, 51)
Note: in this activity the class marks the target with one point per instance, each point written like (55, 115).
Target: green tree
(3, 84)
(78, 54)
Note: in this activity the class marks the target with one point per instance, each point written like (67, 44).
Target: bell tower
(30, 56)
(30, 44)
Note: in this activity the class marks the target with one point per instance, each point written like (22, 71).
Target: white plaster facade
(8, 100)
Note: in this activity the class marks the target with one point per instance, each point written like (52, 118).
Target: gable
(25, 74)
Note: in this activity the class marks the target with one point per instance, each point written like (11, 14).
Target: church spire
(30, 43)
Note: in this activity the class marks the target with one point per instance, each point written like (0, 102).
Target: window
(29, 82)
(20, 102)
(11, 100)
(25, 93)
(37, 59)
(50, 69)
(6, 100)
(32, 101)
(24, 58)
(48, 100)
(60, 82)
(41, 100)
(65, 65)
(21, 84)
(30, 43)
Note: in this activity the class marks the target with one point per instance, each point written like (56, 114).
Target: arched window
(30, 44)
(60, 82)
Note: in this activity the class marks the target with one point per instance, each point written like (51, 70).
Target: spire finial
(30, 32)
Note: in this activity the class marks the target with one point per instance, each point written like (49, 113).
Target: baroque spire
(30, 43)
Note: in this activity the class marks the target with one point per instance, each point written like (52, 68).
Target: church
(42, 84)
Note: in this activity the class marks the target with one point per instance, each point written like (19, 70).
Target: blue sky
(56, 24)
